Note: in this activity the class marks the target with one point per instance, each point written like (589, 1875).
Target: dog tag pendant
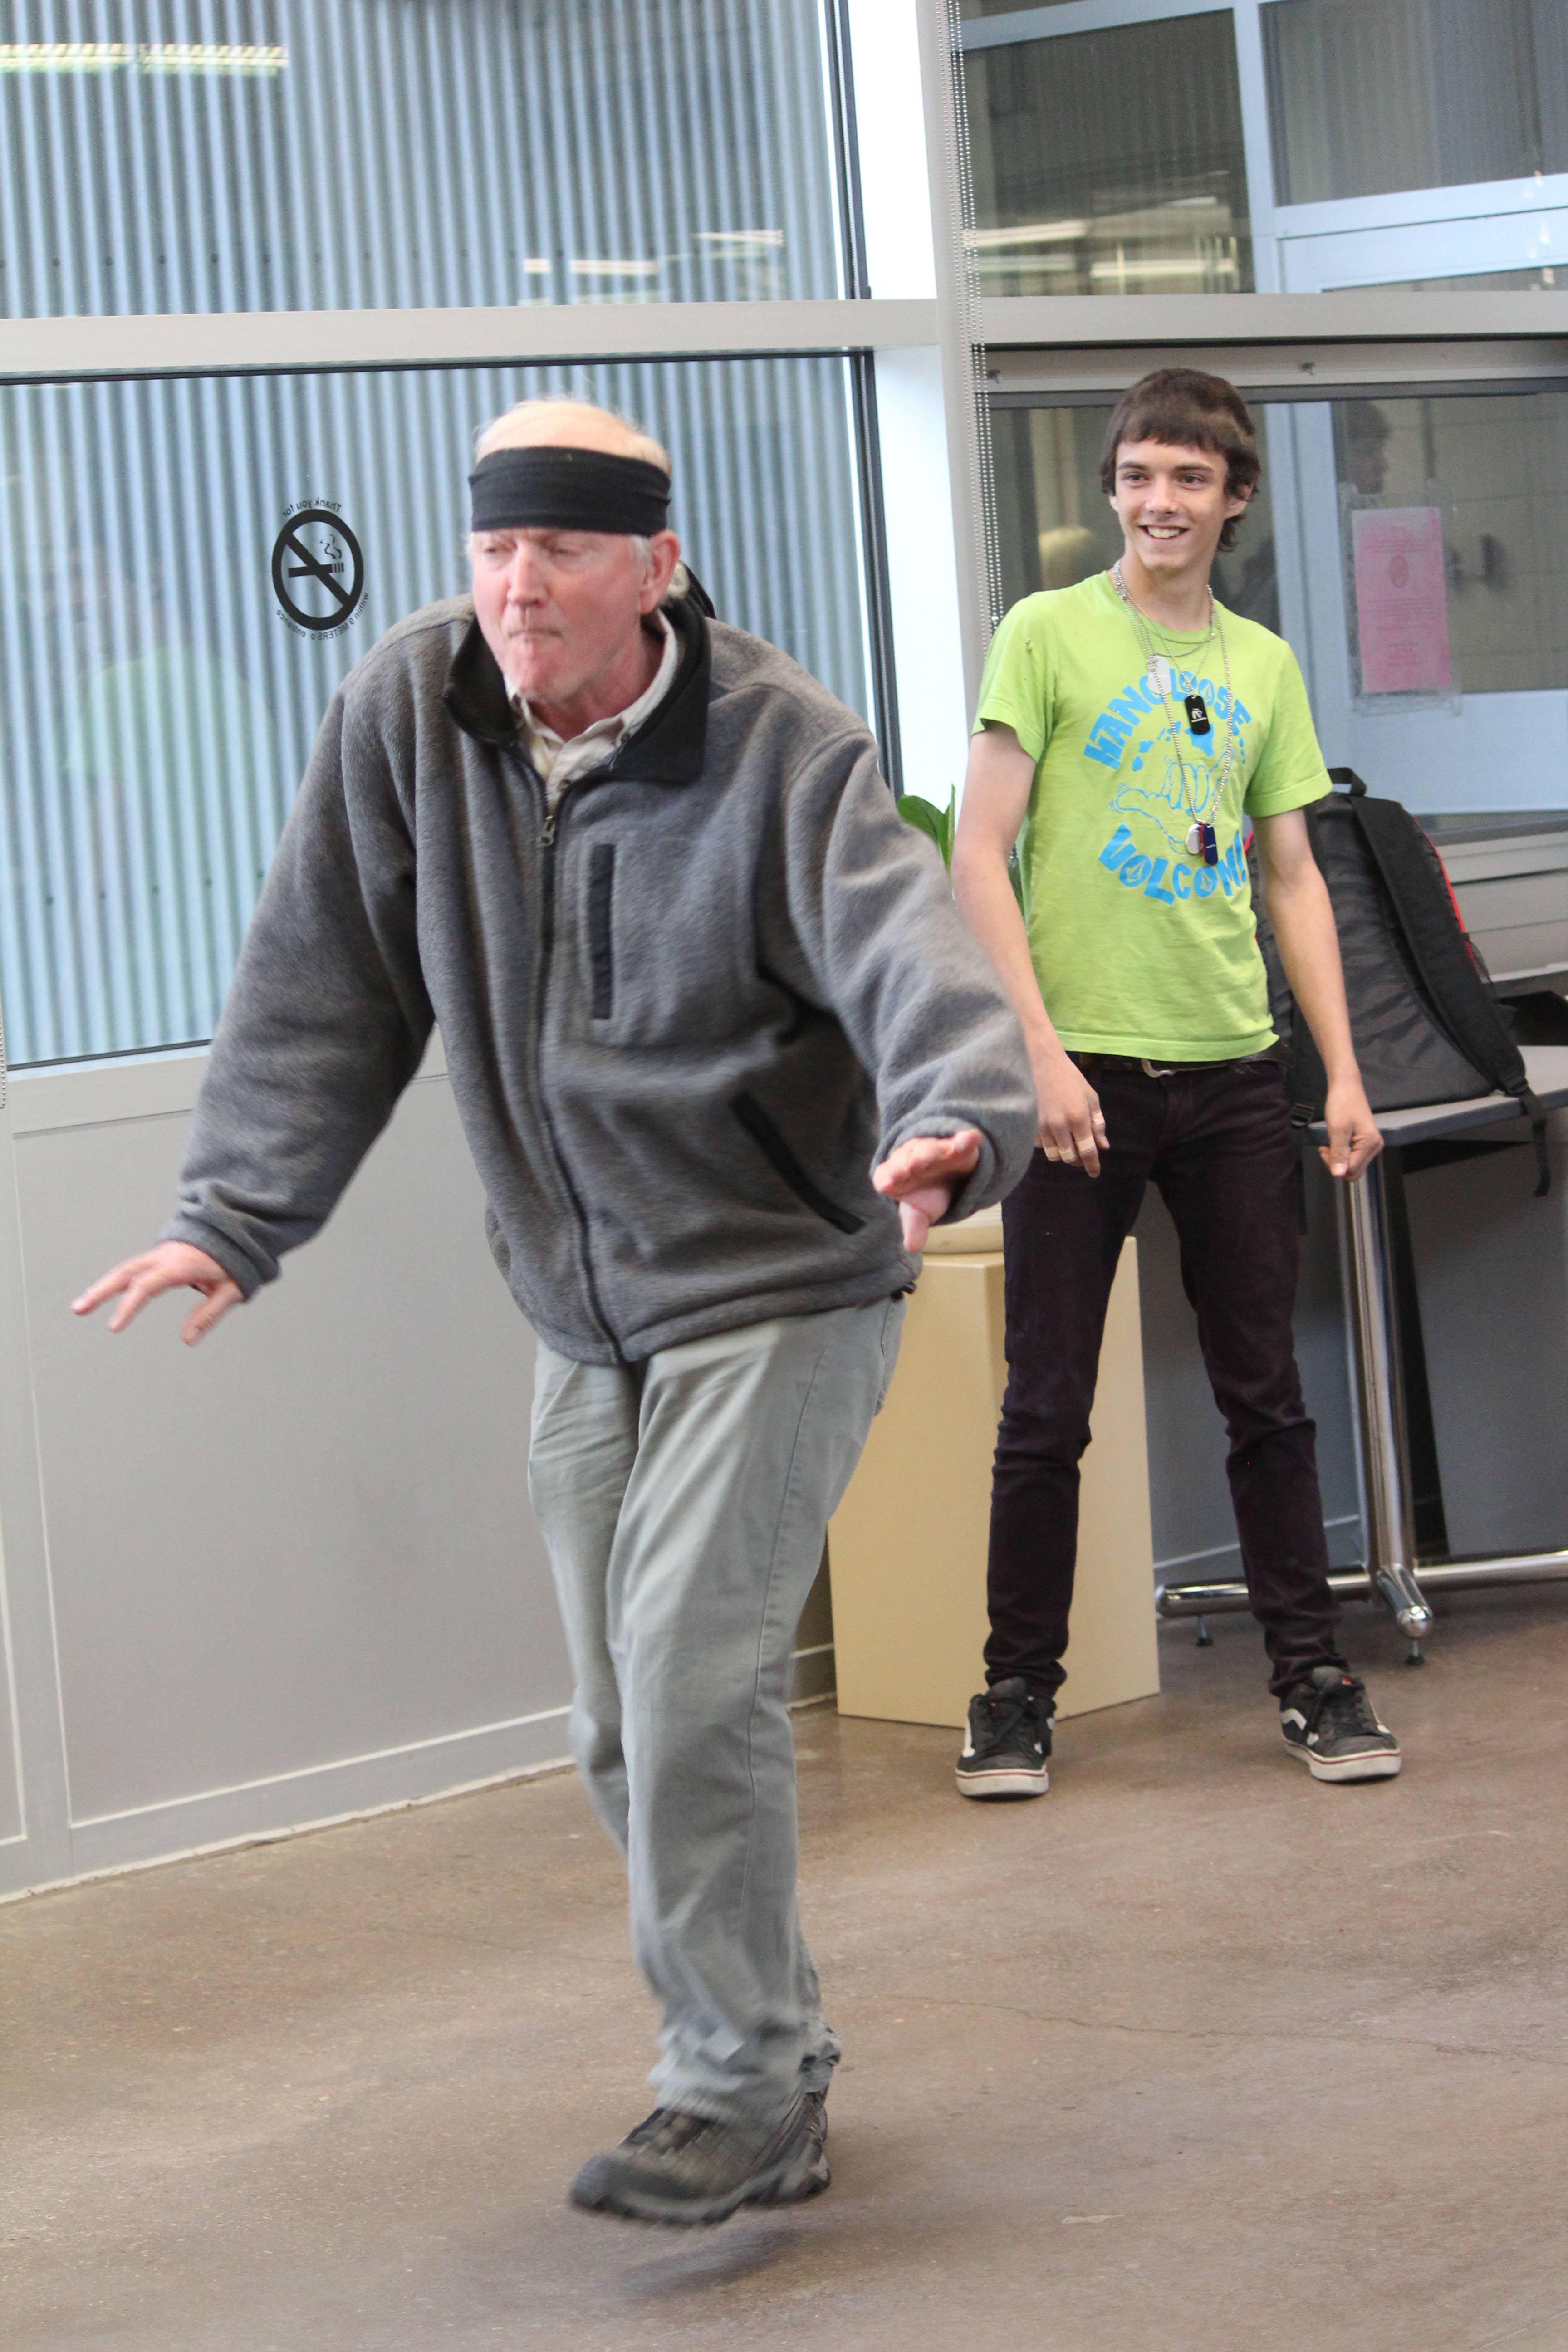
(1197, 715)
(1159, 673)
(1194, 840)
(1210, 845)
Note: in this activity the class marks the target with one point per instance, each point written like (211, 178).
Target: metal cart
(1392, 1572)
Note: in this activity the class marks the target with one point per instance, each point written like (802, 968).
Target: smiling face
(1172, 504)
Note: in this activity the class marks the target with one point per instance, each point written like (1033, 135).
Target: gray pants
(684, 1503)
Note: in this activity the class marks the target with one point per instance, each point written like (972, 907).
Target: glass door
(1412, 548)
(1450, 695)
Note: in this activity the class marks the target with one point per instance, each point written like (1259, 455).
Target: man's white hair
(494, 435)
(639, 444)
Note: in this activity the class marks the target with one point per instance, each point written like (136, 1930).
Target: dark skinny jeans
(1217, 1142)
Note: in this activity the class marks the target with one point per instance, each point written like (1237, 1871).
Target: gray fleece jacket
(683, 1017)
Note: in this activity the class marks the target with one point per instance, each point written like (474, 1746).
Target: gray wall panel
(1188, 1495)
(1492, 1266)
(310, 1539)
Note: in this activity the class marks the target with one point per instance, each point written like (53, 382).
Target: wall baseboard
(811, 1674)
(292, 1802)
(298, 1804)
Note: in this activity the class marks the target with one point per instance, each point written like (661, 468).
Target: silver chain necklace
(1201, 840)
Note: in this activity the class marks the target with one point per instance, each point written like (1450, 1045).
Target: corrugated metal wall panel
(190, 155)
(155, 707)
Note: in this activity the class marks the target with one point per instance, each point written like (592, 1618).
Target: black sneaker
(687, 2170)
(1008, 1742)
(1329, 1720)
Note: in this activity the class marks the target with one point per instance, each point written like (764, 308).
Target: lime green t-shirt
(1139, 947)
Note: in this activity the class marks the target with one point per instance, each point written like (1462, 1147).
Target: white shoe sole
(1003, 1784)
(1348, 1767)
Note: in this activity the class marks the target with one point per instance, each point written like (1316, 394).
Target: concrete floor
(1193, 2053)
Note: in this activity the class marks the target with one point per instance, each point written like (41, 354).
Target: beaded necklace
(1201, 840)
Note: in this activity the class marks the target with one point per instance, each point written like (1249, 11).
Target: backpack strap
(1306, 1090)
(1305, 1080)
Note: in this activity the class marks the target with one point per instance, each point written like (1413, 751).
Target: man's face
(1172, 504)
(558, 608)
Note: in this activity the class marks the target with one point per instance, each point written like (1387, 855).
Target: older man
(693, 978)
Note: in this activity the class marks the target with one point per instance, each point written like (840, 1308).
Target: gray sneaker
(687, 2170)
(1327, 1720)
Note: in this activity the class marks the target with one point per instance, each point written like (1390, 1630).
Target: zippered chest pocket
(600, 928)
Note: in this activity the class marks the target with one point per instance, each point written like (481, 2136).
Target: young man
(1137, 731)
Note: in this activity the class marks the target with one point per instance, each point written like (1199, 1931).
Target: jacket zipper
(546, 948)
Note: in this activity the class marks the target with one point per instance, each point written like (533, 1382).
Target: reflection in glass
(1501, 466)
(190, 155)
(1111, 162)
(1545, 280)
(157, 703)
(1056, 523)
(1370, 96)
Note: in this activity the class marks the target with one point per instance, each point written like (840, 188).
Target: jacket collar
(669, 748)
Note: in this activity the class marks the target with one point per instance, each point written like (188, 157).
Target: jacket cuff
(980, 1188)
(236, 1262)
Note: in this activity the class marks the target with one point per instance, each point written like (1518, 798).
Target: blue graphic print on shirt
(1154, 792)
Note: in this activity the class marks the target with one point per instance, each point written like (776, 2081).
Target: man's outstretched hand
(920, 1175)
(170, 1265)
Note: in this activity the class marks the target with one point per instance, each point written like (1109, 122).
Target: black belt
(1130, 1063)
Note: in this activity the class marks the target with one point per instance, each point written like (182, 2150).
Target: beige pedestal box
(907, 1547)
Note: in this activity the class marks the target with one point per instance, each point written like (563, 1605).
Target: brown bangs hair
(1187, 410)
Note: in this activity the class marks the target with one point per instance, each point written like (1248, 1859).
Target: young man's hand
(1353, 1140)
(921, 1176)
(1072, 1128)
(170, 1266)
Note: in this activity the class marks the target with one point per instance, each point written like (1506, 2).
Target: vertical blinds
(189, 155)
(158, 692)
(157, 703)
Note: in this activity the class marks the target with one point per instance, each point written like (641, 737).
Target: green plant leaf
(1018, 874)
(937, 825)
(948, 826)
(924, 817)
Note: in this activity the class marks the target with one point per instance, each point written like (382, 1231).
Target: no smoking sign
(318, 570)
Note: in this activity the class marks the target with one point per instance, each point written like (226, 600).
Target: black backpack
(1426, 1023)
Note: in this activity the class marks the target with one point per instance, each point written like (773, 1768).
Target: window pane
(1055, 522)
(188, 568)
(1501, 467)
(187, 155)
(1368, 96)
(1111, 162)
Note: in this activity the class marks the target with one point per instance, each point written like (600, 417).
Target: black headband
(569, 489)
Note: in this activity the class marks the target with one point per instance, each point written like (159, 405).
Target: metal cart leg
(1390, 1574)
(1380, 1403)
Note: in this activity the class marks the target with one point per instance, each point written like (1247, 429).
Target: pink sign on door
(1401, 600)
